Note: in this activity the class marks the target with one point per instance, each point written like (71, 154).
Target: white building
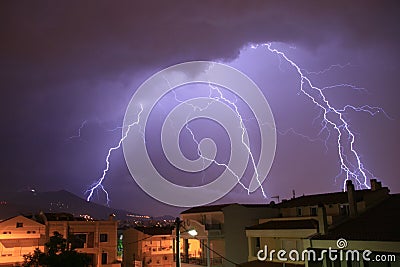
(19, 236)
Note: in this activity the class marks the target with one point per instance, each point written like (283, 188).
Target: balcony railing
(213, 226)
(202, 261)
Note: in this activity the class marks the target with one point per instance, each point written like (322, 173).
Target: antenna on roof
(294, 194)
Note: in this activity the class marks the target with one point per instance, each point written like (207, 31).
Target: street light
(192, 232)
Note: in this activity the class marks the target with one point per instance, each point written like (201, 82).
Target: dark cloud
(66, 61)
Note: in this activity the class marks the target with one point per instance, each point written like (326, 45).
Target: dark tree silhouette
(60, 253)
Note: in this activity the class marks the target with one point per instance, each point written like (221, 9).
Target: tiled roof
(380, 223)
(286, 224)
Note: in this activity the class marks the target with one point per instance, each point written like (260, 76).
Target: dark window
(103, 237)
(19, 225)
(313, 211)
(79, 241)
(344, 210)
(299, 212)
(103, 258)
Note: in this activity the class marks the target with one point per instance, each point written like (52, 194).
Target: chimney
(322, 220)
(375, 185)
(111, 217)
(351, 197)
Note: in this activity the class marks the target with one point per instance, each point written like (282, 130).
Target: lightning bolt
(350, 161)
(331, 67)
(99, 183)
(83, 124)
(221, 98)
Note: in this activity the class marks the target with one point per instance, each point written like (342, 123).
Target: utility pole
(178, 250)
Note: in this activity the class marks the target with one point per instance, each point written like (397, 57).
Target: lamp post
(178, 250)
(191, 232)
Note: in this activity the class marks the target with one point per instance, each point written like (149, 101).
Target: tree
(34, 259)
(60, 253)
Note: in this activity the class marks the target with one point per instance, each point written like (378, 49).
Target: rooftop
(214, 208)
(327, 198)
(380, 223)
(286, 224)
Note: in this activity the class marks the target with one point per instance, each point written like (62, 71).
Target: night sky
(67, 64)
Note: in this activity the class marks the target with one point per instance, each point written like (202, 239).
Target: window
(19, 225)
(298, 212)
(313, 211)
(103, 258)
(79, 241)
(103, 237)
(344, 209)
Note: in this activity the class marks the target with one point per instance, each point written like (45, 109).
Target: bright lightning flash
(350, 161)
(221, 98)
(99, 183)
(332, 118)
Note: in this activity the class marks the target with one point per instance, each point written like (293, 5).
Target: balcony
(213, 226)
(201, 262)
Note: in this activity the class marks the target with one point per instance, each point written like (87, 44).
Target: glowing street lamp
(191, 232)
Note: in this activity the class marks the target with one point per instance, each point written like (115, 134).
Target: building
(306, 216)
(19, 236)
(148, 247)
(376, 230)
(98, 238)
(221, 235)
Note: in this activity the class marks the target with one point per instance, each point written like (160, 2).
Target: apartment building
(148, 247)
(98, 238)
(221, 232)
(376, 230)
(19, 236)
(306, 216)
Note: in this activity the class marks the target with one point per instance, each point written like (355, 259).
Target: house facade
(98, 238)
(304, 217)
(221, 232)
(19, 236)
(148, 247)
